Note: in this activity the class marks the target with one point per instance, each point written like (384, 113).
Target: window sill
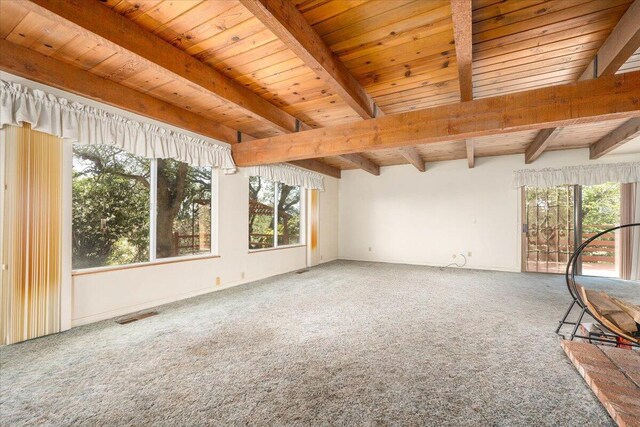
(254, 251)
(186, 258)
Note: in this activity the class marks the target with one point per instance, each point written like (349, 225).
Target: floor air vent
(301, 271)
(135, 317)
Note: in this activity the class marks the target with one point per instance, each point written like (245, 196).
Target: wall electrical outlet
(218, 281)
(469, 253)
(242, 275)
(369, 248)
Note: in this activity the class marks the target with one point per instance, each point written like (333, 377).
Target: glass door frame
(577, 228)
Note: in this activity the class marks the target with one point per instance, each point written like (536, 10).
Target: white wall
(405, 216)
(107, 294)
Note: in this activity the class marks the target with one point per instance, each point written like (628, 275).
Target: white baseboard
(432, 264)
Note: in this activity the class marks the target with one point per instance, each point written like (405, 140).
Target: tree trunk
(171, 194)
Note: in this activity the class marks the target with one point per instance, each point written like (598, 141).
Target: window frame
(153, 260)
(303, 219)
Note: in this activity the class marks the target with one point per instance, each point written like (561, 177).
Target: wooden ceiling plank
(589, 32)
(46, 70)
(576, 26)
(355, 16)
(124, 35)
(614, 139)
(413, 156)
(623, 41)
(461, 15)
(607, 98)
(471, 159)
(284, 20)
(396, 33)
(12, 14)
(554, 11)
(362, 162)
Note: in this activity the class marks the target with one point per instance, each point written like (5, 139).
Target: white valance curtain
(287, 174)
(88, 125)
(623, 173)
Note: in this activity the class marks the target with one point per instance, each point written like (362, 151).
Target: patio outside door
(554, 219)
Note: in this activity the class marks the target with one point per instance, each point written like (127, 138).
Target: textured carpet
(347, 343)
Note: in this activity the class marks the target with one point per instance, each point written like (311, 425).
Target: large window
(128, 209)
(274, 214)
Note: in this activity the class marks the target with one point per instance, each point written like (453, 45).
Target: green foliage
(600, 206)
(123, 252)
(110, 209)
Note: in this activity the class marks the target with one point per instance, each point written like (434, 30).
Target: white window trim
(160, 261)
(153, 210)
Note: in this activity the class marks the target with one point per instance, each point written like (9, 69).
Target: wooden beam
(284, 20)
(317, 166)
(413, 157)
(362, 162)
(34, 66)
(607, 98)
(623, 41)
(471, 159)
(540, 143)
(123, 35)
(461, 16)
(614, 139)
(462, 29)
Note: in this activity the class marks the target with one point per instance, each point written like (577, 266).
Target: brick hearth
(614, 377)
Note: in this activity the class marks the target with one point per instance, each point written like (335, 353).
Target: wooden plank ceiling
(401, 52)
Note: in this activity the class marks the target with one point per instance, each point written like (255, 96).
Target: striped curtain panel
(31, 243)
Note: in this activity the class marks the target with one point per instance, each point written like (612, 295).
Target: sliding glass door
(555, 218)
(549, 230)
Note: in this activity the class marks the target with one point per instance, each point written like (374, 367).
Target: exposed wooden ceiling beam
(34, 66)
(284, 20)
(317, 166)
(413, 156)
(471, 159)
(461, 15)
(623, 41)
(462, 35)
(614, 139)
(121, 34)
(611, 97)
(362, 162)
(540, 143)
